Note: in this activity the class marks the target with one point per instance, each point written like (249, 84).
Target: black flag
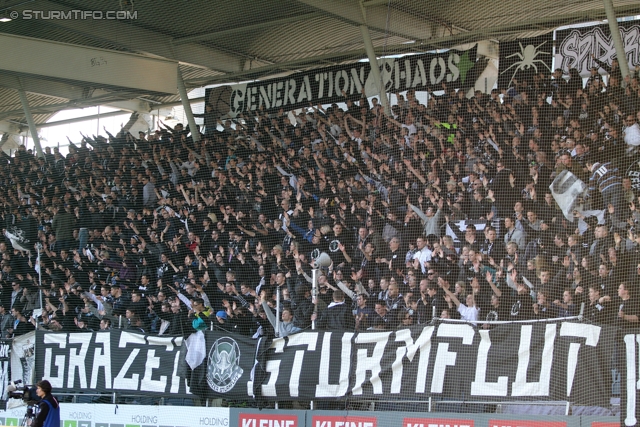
(522, 58)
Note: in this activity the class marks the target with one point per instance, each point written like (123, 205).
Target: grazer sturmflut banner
(106, 362)
(574, 46)
(522, 58)
(539, 361)
(325, 85)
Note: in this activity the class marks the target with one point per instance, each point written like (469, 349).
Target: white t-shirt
(632, 135)
(468, 313)
(412, 128)
(423, 256)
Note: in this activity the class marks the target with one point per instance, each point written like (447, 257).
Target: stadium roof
(236, 40)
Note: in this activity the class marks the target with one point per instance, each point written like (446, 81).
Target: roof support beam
(42, 86)
(195, 135)
(438, 42)
(176, 103)
(90, 66)
(141, 40)
(133, 105)
(32, 125)
(52, 108)
(375, 69)
(216, 35)
(82, 119)
(371, 3)
(403, 25)
(547, 22)
(78, 93)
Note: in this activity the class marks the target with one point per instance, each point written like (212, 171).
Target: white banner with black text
(574, 46)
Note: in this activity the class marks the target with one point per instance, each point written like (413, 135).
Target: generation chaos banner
(325, 85)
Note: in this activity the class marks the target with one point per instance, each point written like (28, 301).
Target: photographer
(49, 414)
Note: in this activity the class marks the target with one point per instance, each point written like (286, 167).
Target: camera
(17, 390)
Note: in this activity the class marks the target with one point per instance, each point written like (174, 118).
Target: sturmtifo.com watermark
(114, 15)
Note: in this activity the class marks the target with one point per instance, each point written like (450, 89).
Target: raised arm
(394, 121)
(494, 288)
(451, 295)
(270, 316)
(346, 126)
(342, 248)
(184, 194)
(417, 174)
(418, 211)
(348, 292)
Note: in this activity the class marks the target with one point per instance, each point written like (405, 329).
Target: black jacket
(337, 318)
(179, 323)
(302, 307)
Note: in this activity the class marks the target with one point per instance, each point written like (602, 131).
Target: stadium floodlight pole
(617, 40)
(182, 89)
(277, 331)
(32, 125)
(314, 289)
(39, 248)
(323, 260)
(373, 61)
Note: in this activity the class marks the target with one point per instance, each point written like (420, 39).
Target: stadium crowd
(438, 210)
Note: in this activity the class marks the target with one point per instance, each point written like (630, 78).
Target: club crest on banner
(223, 365)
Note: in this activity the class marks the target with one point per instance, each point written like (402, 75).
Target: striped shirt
(603, 177)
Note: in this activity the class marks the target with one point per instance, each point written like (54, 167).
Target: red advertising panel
(436, 422)
(267, 420)
(346, 421)
(526, 423)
